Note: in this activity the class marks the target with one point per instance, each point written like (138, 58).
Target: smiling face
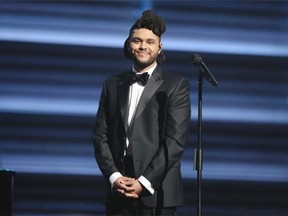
(144, 47)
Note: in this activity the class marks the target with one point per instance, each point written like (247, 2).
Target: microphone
(197, 60)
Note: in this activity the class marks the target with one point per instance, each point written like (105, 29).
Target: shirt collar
(149, 71)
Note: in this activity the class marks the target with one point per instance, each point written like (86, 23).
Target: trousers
(123, 206)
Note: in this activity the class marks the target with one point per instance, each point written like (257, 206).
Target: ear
(160, 48)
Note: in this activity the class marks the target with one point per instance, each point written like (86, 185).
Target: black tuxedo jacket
(160, 129)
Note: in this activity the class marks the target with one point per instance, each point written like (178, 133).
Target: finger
(126, 189)
(128, 181)
(128, 184)
(130, 195)
(129, 189)
(121, 191)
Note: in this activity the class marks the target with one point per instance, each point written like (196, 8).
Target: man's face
(145, 47)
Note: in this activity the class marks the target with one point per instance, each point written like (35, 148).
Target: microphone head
(196, 59)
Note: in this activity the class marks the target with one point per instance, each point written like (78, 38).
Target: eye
(136, 41)
(150, 42)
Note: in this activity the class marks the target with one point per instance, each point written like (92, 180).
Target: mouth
(142, 53)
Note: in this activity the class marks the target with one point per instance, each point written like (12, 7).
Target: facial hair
(141, 64)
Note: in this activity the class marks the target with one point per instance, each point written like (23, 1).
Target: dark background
(54, 56)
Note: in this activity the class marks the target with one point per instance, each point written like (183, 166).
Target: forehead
(144, 33)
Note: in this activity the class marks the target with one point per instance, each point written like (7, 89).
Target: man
(141, 128)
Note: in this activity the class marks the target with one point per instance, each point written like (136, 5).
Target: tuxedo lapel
(151, 87)
(123, 96)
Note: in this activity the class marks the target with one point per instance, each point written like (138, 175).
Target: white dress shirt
(135, 93)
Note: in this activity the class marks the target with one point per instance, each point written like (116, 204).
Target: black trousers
(118, 205)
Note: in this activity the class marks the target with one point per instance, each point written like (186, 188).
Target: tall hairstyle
(150, 21)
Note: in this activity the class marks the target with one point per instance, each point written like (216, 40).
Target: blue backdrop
(54, 56)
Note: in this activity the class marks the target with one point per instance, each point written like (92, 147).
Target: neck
(141, 68)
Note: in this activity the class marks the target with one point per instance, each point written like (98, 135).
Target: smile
(142, 53)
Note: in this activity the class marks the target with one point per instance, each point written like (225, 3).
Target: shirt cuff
(146, 184)
(113, 177)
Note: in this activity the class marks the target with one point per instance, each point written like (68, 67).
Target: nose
(142, 45)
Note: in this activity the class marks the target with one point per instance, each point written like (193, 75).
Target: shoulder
(116, 78)
(173, 82)
(168, 75)
(172, 78)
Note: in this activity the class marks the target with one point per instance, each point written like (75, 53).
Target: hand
(123, 185)
(128, 187)
(137, 189)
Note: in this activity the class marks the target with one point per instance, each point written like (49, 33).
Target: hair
(150, 21)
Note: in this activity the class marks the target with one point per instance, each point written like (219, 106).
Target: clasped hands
(128, 187)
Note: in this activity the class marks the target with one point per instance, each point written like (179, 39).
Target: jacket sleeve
(102, 150)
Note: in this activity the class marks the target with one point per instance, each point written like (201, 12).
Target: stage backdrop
(54, 56)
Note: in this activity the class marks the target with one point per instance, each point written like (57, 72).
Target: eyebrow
(138, 38)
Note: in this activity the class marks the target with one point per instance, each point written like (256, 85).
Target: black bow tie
(141, 79)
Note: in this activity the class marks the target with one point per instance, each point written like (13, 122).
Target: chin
(142, 64)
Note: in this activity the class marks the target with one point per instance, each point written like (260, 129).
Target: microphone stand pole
(198, 154)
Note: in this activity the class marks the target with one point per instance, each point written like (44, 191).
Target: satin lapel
(151, 87)
(123, 95)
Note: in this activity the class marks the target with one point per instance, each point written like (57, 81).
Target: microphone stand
(198, 153)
